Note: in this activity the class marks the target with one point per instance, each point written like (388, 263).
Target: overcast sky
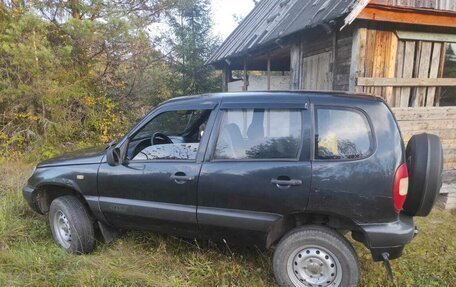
(223, 12)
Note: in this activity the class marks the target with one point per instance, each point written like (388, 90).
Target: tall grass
(28, 256)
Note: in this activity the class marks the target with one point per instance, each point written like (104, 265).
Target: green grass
(28, 256)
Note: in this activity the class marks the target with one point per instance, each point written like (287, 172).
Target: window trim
(361, 112)
(217, 128)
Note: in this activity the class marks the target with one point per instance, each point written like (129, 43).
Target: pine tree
(191, 44)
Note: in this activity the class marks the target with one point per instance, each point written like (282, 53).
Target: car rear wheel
(315, 256)
(425, 164)
(71, 225)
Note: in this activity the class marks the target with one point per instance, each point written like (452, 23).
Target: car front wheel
(315, 256)
(71, 225)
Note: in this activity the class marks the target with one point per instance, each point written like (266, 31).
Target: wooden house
(401, 50)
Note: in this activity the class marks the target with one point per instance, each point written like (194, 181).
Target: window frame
(217, 128)
(173, 108)
(361, 112)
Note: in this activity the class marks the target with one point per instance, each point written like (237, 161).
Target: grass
(28, 256)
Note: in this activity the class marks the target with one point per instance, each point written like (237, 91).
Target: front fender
(80, 178)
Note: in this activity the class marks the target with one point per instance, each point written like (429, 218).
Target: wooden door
(317, 74)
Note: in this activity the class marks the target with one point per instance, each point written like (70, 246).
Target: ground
(28, 256)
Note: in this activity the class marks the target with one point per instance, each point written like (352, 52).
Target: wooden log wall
(342, 62)
(430, 4)
(440, 121)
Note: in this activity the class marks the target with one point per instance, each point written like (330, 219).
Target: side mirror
(113, 156)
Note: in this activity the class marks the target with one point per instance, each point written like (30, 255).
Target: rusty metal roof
(271, 20)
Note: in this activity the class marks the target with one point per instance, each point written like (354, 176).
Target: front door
(256, 171)
(156, 186)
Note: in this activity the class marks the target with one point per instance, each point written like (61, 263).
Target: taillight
(401, 184)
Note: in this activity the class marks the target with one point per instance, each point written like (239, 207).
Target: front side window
(342, 134)
(173, 135)
(259, 134)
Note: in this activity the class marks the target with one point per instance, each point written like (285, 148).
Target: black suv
(293, 171)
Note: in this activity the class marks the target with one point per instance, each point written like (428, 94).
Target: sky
(223, 12)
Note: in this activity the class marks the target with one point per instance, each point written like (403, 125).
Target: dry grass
(28, 256)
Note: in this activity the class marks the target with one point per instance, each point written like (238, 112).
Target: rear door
(256, 169)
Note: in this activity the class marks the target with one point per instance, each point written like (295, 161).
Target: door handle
(286, 183)
(181, 178)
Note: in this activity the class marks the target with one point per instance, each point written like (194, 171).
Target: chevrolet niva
(292, 171)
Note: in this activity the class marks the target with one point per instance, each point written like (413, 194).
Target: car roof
(280, 95)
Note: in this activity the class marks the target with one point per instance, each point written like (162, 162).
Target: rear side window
(342, 134)
(259, 134)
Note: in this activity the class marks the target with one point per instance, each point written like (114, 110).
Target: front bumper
(27, 193)
(389, 238)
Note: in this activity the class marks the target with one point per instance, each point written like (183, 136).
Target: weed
(28, 256)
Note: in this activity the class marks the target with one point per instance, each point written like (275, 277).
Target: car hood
(85, 156)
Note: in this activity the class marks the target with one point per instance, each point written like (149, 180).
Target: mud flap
(109, 233)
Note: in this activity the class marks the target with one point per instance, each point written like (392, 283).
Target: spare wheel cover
(425, 165)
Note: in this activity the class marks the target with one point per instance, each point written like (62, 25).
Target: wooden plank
(313, 73)
(441, 71)
(434, 72)
(409, 58)
(370, 52)
(322, 75)
(305, 68)
(390, 71)
(419, 97)
(399, 71)
(445, 134)
(420, 125)
(380, 55)
(358, 58)
(416, 68)
(425, 110)
(325, 70)
(423, 36)
(296, 67)
(431, 4)
(403, 82)
(435, 113)
(246, 77)
(269, 72)
(383, 13)
(227, 75)
(333, 63)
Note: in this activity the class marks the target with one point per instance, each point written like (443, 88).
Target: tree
(70, 79)
(74, 73)
(191, 44)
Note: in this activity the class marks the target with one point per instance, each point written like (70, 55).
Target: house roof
(271, 20)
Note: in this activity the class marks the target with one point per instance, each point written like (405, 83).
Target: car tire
(71, 225)
(425, 164)
(315, 256)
